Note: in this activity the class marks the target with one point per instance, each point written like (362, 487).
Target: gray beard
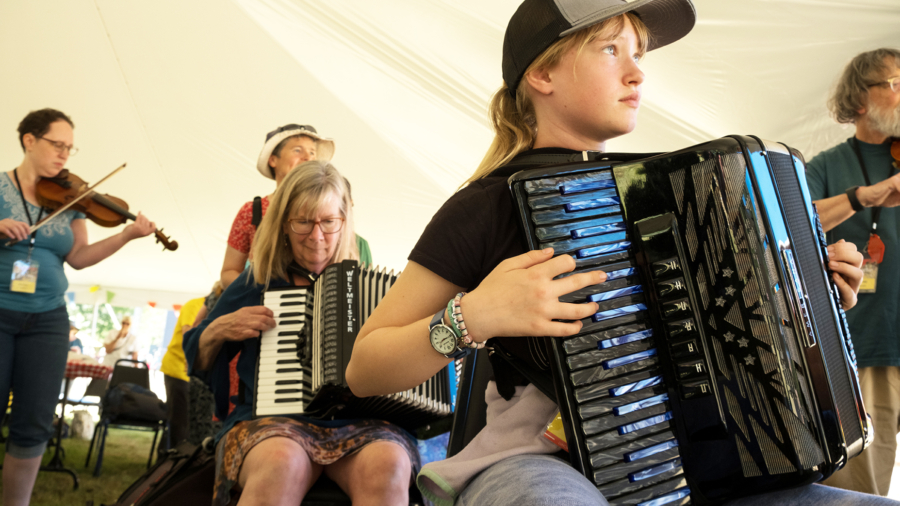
(886, 121)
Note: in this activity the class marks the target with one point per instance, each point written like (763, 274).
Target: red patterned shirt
(242, 230)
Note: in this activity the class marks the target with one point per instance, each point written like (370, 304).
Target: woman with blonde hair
(275, 460)
(572, 82)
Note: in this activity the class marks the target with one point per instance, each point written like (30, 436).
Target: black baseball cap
(537, 24)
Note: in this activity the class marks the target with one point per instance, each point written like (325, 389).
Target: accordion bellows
(719, 364)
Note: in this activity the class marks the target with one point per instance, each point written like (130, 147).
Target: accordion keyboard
(283, 383)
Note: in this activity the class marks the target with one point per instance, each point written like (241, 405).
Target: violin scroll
(165, 241)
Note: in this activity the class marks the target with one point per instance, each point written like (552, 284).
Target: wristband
(854, 201)
(458, 322)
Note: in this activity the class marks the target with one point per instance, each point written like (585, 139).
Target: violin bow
(59, 210)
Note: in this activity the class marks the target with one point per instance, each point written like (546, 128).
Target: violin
(895, 153)
(104, 210)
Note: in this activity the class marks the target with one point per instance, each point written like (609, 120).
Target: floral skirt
(324, 445)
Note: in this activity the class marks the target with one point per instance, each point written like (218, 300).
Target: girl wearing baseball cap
(572, 81)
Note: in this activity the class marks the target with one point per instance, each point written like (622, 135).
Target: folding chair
(126, 374)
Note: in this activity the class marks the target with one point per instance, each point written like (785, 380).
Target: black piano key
(616, 454)
(588, 341)
(609, 422)
(652, 492)
(589, 325)
(626, 469)
(624, 486)
(598, 373)
(595, 357)
(607, 405)
(288, 391)
(612, 438)
(558, 231)
(601, 390)
(292, 382)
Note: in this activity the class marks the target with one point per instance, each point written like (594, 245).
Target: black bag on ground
(185, 477)
(134, 402)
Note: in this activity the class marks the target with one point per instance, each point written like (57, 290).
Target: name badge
(870, 276)
(24, 276)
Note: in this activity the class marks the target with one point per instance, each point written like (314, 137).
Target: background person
(175, 374)
(74, 343)
(564, 93)
(285, 148)
(275, 460)
(34, 324)
(856, 185)
(120, 343)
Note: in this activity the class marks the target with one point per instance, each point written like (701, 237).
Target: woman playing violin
(34, 325)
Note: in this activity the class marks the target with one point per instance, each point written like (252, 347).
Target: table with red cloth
(79, 369)
(74, 369)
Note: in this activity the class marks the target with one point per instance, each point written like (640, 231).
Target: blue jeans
(33, 350)
(544, 480)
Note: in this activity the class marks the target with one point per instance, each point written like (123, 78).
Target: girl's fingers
(563, 329)
(526, 260)
(568, 311)
(578, 281)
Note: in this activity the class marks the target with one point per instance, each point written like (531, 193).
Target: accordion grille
(810, 265)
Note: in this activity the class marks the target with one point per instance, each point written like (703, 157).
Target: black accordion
(720, 363)
(301, 362)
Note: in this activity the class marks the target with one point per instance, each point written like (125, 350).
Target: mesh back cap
(537, 24)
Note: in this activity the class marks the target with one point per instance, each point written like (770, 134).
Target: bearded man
(856, 187)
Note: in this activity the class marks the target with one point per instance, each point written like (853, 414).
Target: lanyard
(876, 212)
(27, 214)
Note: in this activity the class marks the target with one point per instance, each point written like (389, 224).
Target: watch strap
(854, 200)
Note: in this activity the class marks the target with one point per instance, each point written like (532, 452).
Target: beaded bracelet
(457, 318)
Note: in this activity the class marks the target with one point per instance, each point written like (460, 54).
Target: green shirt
(875, 321)
(365, 254)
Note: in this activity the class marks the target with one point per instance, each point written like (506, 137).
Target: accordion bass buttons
(691, 389)
(685, 349)
(671, 288)
(691, 368)
(676, 309)
(666, 267)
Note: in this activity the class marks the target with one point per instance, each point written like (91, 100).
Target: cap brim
(666, 20)
(324, 149)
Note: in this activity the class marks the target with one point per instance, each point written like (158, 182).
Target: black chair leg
(153, 446)
(102, 442)
(87, 461)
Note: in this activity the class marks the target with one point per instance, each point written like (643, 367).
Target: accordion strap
(542, 380)
(540, 159)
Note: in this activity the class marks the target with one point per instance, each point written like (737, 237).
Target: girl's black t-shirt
(475, 230)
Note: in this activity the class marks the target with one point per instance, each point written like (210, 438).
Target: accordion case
(720, 363)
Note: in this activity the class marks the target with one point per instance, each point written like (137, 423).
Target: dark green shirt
(875, 321)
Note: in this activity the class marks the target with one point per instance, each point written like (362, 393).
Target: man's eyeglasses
(328, 225)
(893, 82)
(61, 147)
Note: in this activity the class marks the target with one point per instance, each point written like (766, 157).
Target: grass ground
(124, 460)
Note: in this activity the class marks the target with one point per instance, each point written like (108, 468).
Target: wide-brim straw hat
(324, 145)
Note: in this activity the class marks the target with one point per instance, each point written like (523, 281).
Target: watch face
(443, 339)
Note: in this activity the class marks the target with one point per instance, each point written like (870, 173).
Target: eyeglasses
(893, 82)
(327, 226)
(61, 147)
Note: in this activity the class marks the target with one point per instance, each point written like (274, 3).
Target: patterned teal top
(54, 241)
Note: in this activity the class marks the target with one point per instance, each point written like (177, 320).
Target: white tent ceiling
(184, 92)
